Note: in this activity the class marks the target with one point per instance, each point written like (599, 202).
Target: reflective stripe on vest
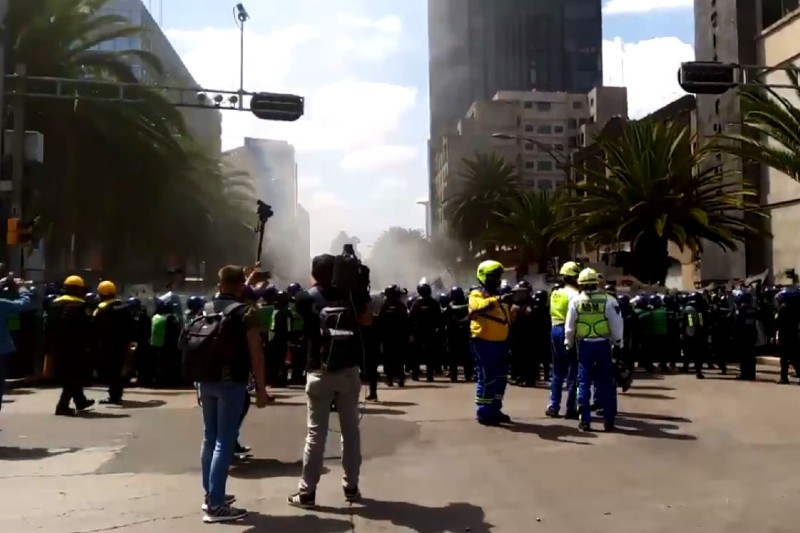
(592, 322)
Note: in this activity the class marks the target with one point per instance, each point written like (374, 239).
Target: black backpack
(209, 344)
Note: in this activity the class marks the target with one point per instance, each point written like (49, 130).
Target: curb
(769, 360)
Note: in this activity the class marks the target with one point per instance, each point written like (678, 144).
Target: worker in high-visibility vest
(594, 326)
(565, 365)
(490, 317)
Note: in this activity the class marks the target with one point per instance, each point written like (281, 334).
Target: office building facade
(542, 130)
(480, 47)
(205, 125)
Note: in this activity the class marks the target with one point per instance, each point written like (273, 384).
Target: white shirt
(612, 312)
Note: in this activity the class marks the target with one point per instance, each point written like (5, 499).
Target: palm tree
(649, 188)
(130, 166)
(527, 223)
(773, 124)
(487, 182)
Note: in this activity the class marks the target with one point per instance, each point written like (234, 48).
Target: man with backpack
(220, 351)
(332, 322)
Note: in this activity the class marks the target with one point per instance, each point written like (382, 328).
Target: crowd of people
(582, 339)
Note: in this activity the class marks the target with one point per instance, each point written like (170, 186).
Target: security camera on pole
(241, 16)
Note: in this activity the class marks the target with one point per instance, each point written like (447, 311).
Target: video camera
(350, 275)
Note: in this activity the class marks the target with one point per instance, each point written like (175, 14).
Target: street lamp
(427, 205)
(240, 16)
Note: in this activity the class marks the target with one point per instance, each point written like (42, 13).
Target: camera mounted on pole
(264, 212)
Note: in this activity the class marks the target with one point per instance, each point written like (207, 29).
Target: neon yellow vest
(592, 322)
(559, 304)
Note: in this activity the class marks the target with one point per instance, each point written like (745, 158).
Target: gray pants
(321, 389)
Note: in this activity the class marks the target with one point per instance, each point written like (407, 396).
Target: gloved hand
(572, 352)
(507, 299)
(616, 353)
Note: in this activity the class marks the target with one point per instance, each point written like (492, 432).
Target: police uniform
(593, 323)
(489, 326)
(565, 366)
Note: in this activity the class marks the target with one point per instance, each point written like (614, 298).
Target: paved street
(715, 455)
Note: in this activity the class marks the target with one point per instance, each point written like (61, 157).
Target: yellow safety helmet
(107, 288)
(570, 269)
(74, 281)
(488, 268)
(588, 276)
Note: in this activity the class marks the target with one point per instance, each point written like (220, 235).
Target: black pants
(788, 355)
(369, 362)
(746, 353)
(246, 409)
(695, 352)
(394, 354)
(71, 391)
(459, 355)
(299, 352)
(114, 377)
(424, 353)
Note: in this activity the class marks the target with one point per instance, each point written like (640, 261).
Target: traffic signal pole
(15, 253)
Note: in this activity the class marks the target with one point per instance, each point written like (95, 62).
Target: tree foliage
(125, 179)
(648, 187)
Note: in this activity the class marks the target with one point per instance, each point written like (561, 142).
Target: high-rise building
(480, 47)
(542, 130)
(205, 125)
(273, 166)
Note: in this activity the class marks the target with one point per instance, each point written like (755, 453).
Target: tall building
(205, 125)
(544, 128)
(776, 44)
(273, 167)
(480, 47)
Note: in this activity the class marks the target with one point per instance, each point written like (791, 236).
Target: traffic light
(276, 106)
(707, 77)
(19, 232)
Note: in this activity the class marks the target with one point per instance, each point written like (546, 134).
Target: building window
(528, 105)
(545, 185)
(529, 146)
(544, 166)
(528, 127)
(558, 147)
(529, 164)
(543, 106)
(577, 105)
(591, 102)
(573, 142)
(544, 129)
(572, 123)
(558, 129)
(583, 121)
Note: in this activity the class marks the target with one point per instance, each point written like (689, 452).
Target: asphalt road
(713, 455)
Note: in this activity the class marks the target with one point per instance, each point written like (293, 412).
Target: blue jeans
(5, 360)
(222, 405)
(596, 367)
(565, 368)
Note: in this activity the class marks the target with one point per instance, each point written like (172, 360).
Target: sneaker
(65, 411)
(86, 406)
(241, 448)
(110, 401)
(352, 495)
(551, 412)
(303, 501)
(229, 499)
(223, 513)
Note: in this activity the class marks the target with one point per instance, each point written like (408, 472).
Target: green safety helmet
(487, 269)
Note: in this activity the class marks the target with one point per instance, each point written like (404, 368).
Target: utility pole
(3, 33)
(241, 16)
(18, 170)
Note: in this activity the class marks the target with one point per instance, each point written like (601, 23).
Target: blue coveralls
(489, 347)
(595, 361)
(565, 368)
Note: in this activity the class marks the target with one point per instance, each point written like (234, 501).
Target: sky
(362, 66)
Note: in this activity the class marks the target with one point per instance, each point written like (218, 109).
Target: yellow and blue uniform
(489, 326)
(593, 323)
(565, 366)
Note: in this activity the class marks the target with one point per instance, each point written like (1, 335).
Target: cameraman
(332, 374)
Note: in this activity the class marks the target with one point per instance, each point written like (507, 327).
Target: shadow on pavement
(651, 387)
(454, 517)
(418, 385)
(641, 428)
(258, 467)
(261, 523)
(647, 396)
(137, 404)
(12, 453)
(380, 411)
(552, 432)
(395, 404)
(157, 392)
(101, 415)
(649, 416)
(18, 392)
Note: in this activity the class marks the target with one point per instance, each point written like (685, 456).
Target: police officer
(787, 321)
(426, 317)
(297, 342)
(593, 327)
(279, 333)
(67, 337)
(565, 365)
(489, 327)
(394, 330)
(456, 320)
(745, 319)
(195, 306)
(695, 334)
(114, 333)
